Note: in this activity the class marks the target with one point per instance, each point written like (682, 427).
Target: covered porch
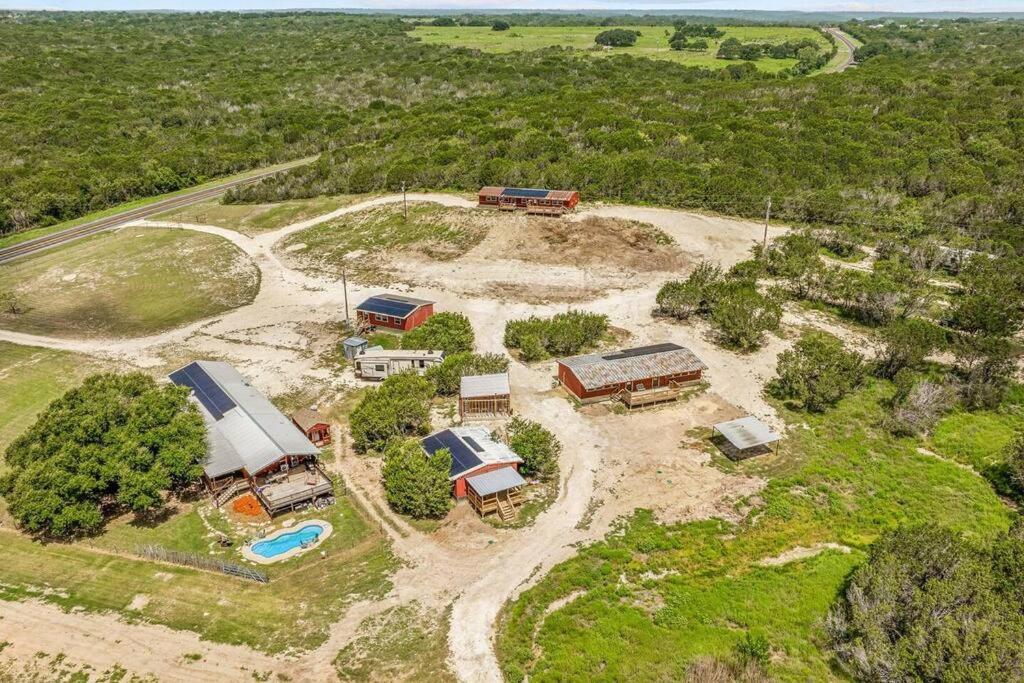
(640, 397)
(498, 491)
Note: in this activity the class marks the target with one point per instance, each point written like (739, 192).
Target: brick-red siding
(573, 385)
(523, 202)
(415, 319)
(459, 485)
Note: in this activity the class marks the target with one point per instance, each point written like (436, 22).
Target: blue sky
(682, 5)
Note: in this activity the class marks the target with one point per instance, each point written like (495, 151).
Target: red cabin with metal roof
(394, 311)
(532, 200)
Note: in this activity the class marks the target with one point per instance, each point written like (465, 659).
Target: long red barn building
(595, 377)
(533, 200)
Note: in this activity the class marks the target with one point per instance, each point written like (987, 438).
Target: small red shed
(533, 200)
(632, 372)
(394, 311)
(314, 425)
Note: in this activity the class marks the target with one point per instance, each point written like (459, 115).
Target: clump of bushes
(447, 375)
(448, 332)
(617, 37)
(560, 335)
(931, 605)
(817, 372)
(415, 484)
(731, 302)
(537, 446)
(116, 443)
(400, 407)
(918, 404)
(501, 25)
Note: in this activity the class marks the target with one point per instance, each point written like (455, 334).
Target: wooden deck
(293, 488)
(649, 397)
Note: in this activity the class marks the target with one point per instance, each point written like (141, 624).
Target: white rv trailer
(381, 364)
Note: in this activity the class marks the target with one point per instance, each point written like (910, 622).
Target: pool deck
(248, 554)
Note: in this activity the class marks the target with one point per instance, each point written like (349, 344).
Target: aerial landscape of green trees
(942, 156)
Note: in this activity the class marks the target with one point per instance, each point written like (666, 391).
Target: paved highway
(92, 227)
(851, 46)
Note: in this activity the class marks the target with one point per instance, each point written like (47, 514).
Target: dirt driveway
(610, 465)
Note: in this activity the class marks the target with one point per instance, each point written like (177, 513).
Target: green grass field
(252, 219)
(130, 282)
(653, 598)
(436, 230)
(652, 43)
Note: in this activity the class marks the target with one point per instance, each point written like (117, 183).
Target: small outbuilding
(314, 425)
(638, 377)
(485, 396)
(381, 363)
(394, 311)
(747, 436)
(474, 452)
(353, 346)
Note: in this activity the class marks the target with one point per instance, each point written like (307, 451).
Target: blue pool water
(285, 542)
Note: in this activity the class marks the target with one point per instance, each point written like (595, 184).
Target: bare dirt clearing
(611, 463)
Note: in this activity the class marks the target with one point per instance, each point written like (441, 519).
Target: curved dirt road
(477, 579)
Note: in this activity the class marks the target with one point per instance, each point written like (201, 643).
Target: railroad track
(38, 244)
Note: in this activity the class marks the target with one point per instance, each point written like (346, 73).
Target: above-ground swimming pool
(288, 542)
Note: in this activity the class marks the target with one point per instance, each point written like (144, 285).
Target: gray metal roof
(495, 481)
(747, 432)
(354, 341)
(253, 434)
(596, 370)
(484, 385)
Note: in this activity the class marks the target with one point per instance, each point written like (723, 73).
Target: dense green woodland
(104, 108)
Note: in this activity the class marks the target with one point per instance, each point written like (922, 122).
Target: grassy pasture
(652, 598)
(439, 232)
(129, 282)
(652, 43)
(252, 219)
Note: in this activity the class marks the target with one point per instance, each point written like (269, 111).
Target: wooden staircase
(229, 491)
(506, 510)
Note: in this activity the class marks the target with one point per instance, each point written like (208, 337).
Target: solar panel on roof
(462, 458)
(642, 351)
(205, 389)
(473, 444)
(524, 192)
(375, 304)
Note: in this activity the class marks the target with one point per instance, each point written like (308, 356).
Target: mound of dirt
(589, 241)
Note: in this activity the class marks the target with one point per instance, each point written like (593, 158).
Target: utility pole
(767, 217)
(405, 204)
(344, 287)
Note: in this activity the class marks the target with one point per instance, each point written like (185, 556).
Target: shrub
(741, 314)
(1014, 456)
(446, 375)
(906, 343)
(617, 37)
(500, 25)
(415, 484)
(817, 372)
(448, 332)
(693, 295)
(443, 21)
(561, 334)
(538, 448)
(919, 405)
(400, 407)
(754, 649)
(929, 605)
(116, 437)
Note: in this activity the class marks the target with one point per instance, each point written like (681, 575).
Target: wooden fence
(161, 554)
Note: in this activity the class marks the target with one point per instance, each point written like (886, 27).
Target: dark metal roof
(204, 388)
(391, 304)
(463, 459)
(642, 351)
(529, 192)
